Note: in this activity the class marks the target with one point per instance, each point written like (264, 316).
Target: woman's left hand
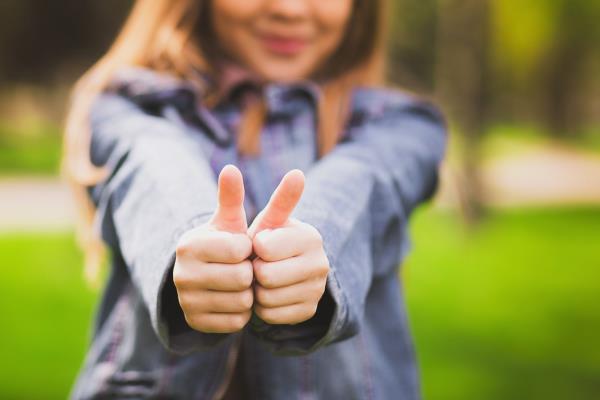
(291, 266)
(291, 273)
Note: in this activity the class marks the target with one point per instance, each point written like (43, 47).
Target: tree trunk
(461, 76)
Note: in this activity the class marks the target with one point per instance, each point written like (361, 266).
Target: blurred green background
(503, 283)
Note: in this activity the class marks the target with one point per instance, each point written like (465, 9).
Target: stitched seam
(115, 340)
(118, 335)
(167, 375)
(216, 382)
(305, 377)
(368, 382)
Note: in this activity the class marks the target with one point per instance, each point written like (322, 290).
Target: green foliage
(506, 140)
(33, 148)
(46, 311)
(507, 310)
(522, 33)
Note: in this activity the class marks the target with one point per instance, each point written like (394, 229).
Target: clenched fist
(291, 266)
(212, 273)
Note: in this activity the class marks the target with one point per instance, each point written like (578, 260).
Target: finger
(217, 301)
(214, 246)
(310, 290)
(291, 314)
(230, 215)
(281, 204)
(219, 322)
(289, 271)
(281, 243)
(215, 276)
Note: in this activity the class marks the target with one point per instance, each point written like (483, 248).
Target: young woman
(251, 281)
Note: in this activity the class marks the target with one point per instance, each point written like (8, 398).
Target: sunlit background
(503, 284)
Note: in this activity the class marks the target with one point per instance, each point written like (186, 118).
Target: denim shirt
(164, 150)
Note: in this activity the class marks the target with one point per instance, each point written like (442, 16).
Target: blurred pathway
(544, 176)
(549, 175)
(34, 203)
(540, 176)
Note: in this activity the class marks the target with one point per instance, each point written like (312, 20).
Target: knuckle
(190, 243)
(322, 266)
(185, 303)
(311, 310)
(243, 275)
(263, 296)
(314, 235)
(245, 299)
(269, 254)
(237, 321)
(196, 321)
(180, 278)
(318, 288)
(184, 246)
(263, 247)
(238, 251)
(323, 269)
(258, 265)
(268, 315)
(266, 278)
(304, 314)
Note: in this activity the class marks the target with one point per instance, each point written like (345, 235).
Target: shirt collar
(236, 81)
(149, 87)
(281, 98)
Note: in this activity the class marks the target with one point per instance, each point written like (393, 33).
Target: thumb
(281, 204)
(230, 214)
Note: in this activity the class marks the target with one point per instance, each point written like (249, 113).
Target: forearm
(159, 186)
(358, 196)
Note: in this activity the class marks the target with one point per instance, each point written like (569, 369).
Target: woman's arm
(160, 185)
(359, 198)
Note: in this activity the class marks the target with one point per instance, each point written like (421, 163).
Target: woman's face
(280, 40)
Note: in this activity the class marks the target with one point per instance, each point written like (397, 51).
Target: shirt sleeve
(359, 197)
(160, 185)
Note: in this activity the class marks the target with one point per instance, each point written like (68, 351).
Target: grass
(46, 311)
(32, 147)
(508, 310)
(504, 140)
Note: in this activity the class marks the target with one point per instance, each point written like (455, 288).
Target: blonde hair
(175, 36)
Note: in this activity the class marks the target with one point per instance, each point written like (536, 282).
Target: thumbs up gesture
(212, 273)
(291, 266)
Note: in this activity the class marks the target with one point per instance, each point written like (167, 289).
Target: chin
(285, 78)
(284, 73)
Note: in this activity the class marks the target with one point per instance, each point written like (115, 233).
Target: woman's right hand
(213, 274)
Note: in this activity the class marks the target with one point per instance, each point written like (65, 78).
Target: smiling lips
(282, 45)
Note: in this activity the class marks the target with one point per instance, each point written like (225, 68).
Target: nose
(289, 9)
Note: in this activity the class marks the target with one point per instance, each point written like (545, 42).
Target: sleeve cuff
(328, 325)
